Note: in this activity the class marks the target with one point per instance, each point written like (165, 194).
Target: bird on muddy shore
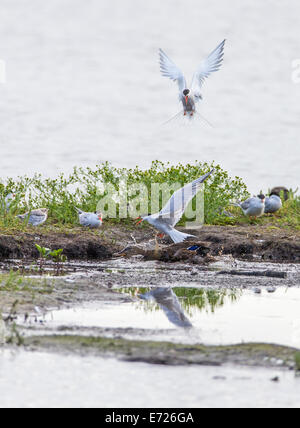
(5, 205)
(273, 204)
(91, 220)
(166, 220)
(35, 217)
(252, 207)
(190, 96)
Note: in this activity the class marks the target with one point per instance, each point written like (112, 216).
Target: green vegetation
(83, 188)
(287, 217)
(56, 255)
(13, 281)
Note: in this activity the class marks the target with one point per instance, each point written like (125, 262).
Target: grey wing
(169, 303)
(211, 64)
(36, 217)
(169, 69)
(85, 219)
(178, 203)
(246, 204)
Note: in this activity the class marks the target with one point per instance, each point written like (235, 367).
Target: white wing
(169, 69)
(179, 201)
(211, 64)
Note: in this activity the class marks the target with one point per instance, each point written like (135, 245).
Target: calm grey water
(251, 318)
(83, 85)
(47, 380)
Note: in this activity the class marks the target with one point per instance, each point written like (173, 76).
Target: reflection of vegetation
(203, 299)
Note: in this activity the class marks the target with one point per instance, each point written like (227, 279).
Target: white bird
(252, 207)
(91, 220)
(35, 217)
(190, 96)
(166, 220)
(273, 204)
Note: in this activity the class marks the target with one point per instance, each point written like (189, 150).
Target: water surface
(83, 86)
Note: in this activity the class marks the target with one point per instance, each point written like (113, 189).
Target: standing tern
(189, 97)
(273, 204)
(91, 220)
(35, 217)
(166, 220)
(252, 207)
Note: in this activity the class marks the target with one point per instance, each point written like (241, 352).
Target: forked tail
(78, 210)
(181, 117)
(178, 237)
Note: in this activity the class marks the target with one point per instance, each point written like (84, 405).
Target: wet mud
(250, 243)
(165, 353)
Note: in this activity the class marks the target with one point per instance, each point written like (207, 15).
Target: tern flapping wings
(211, 64)
(179, 201)
(169, 69)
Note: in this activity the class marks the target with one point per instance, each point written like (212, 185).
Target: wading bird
(190, 96)
(166, 220)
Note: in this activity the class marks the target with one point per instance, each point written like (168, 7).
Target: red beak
(140, 220)
(186, 100)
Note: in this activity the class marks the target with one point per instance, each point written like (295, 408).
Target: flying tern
(190, 96)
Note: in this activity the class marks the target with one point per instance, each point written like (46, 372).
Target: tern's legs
(158, 235)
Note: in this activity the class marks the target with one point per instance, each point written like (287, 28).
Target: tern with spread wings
(190, 96)
(166, 220)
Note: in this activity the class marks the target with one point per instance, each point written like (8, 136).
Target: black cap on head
(261, 196)
(275, 194)
(186, 92)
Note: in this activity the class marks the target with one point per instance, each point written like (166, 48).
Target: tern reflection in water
(169, 303)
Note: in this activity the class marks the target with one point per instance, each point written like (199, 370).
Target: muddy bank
(166, 353)
(75, 246)
(243, 242)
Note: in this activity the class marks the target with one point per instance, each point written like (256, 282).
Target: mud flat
(111, 269)
(251, 243)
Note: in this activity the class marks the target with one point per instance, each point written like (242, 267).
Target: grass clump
(82, 188)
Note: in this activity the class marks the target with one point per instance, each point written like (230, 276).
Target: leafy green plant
(46, 253)
(81, 188)
(59, 258)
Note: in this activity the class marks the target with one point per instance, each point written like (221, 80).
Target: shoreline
(251, 243)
